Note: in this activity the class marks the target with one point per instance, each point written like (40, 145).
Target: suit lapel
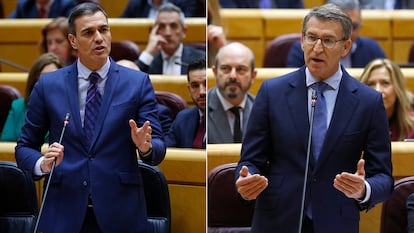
(218, 118)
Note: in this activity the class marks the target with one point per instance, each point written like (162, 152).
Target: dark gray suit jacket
(219, 130)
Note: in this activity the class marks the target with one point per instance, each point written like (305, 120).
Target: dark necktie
(199, 137)
(42, 12)
(93, 102)
(319, 121)
(237, 133)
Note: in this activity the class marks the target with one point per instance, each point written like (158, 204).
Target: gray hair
(169, 7)
(330, 12)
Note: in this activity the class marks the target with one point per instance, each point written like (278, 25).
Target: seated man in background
(363, 49)
(189, 127)
(229, 103)
(165, 52)
(149, 8)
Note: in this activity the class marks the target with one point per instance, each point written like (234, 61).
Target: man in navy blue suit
(350, 171)
(189, 127)
(165, 52)
(42, 8)
(97, 185)
(363, 49)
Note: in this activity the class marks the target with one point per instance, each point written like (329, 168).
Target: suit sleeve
(295, 56)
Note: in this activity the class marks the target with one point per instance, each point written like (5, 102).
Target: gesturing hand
(141, 136)
(250, 186)
(352, 185)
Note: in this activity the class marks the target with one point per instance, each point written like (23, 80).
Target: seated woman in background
(47, 62)
(55, 40)
(386, 77)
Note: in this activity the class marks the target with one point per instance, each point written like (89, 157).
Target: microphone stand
(65, 123)
(302, 209)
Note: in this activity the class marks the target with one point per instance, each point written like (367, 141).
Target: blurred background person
(55, 40)
(386, 4)
(47, 62)
(363, 49)
(42, 8)
(386, 77)
(165, 52)
(189, 127)
(149, 8)
(230, 103)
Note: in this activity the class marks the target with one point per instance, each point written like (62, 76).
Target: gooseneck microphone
(305, 181)
(65, 123)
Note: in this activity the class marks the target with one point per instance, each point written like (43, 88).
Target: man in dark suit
(274, 159)
(189, 127)
(96, 186)
(148, 9)
(234, 70)
(165, 52)
(42, 8)
(363, 49)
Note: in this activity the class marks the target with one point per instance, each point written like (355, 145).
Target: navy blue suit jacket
(28, 9)
(141, 8)
(184, 128)
(275, 145)
(189, 55)
(107, 169)
(367, 50)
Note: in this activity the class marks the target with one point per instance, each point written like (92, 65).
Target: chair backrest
(277, 51)
(227, 212)
(174, 102)
(18, 199)
(394, 210)
(157, 198)
(7, 95)
(124, 49)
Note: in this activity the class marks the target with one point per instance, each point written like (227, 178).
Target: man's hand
(141, 136)
(250, 186)
(352, 185)
(55, 151)
(155, 41)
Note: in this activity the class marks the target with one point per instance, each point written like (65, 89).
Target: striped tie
(93, 102)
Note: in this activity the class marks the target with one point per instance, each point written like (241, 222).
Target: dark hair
(36, 69)
(197, 64)
(86, 8)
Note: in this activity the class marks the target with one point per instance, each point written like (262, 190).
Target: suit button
(85, 183)
(314, 179)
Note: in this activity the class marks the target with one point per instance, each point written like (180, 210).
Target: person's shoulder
(366, 42)
(186, 113)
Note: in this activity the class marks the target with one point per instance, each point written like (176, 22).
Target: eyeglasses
(327, 42)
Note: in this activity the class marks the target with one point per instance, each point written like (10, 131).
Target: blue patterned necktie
(93, 102)
(319, 121)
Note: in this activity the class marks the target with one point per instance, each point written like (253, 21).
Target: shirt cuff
(367, 193)
(146, 58)
(37, 171)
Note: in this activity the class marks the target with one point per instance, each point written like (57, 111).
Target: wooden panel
(281, 21)
(402, 21)
(266, 73)
(401, 50)
(19, 38)
(242, 23)
(373, 20)
(113, 8)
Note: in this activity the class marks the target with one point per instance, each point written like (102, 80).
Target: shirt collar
(332, 81)
(84, 72)
(226, 104)
(177, 53)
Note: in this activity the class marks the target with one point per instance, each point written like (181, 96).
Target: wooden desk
(185, 171)
(19, 38)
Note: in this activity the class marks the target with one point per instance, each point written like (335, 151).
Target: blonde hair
(402, 107)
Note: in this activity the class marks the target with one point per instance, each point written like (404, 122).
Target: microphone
(302, 209)
(181, 63)
(65, 123)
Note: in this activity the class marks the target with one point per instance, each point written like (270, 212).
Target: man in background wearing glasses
(301, 155)
(363, 49)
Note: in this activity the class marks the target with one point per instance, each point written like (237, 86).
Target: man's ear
(72, 40)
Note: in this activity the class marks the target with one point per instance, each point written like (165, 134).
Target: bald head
(235, 50)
